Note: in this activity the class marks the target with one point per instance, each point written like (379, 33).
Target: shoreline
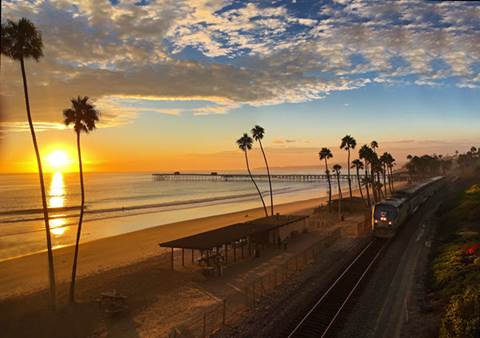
(148, 206)
(28, 273)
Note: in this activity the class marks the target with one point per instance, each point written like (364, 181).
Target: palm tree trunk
(360, 186)
(379, 188)
(392, 187)
(340, 197)
(366, 185)
(349, 181)
(269, 178)
(51, 268)
(79, 229)
(329, 186)
(374, 190)
(255, 183)
(385, 180)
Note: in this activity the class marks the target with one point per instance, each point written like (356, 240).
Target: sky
(177, 82)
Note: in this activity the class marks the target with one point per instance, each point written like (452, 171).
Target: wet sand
(134, 265)
(29, 273)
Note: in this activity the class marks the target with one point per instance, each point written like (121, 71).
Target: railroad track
(321, 318)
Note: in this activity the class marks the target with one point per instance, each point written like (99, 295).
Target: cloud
(230, 55)
(24, 126)
(283, 141)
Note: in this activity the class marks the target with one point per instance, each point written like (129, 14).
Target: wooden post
(193, 256)
(172, 260)
(243, 248)
(183, 257)
(234, 253)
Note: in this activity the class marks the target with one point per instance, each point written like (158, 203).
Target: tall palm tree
(20, 41)
(245, 144)
(358, 164)
(390, 164)
(384, 161)
(83, 116)
(325, 154)
(336, 170)
(258, 133)
(348, 143)
(365, 154)
(376, 168)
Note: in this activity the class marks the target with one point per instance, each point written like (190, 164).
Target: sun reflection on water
(57, 200)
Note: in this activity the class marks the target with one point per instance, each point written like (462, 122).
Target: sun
(58, 159)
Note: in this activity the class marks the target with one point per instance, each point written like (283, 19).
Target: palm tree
(257, 133)
(348, 142)
(367, 182)
(336, 170)
(384, 161)
(365, 154)
(390, 164)
(245, 144)
(83, 116)
(357, 164)
(376, 168)
(325, 154)
(20, 41)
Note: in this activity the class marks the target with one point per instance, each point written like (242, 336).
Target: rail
(321, 317)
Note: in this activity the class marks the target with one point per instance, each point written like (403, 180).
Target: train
(389, 214)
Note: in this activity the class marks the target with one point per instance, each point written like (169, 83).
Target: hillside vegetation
(455, 268)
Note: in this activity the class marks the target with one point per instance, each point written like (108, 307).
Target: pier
(308, 178)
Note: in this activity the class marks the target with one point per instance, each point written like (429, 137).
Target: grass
(455, 268)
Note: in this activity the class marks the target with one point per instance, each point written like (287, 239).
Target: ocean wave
(172, 205)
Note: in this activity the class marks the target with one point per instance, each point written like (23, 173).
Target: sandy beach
(29, 273)
(134, 265)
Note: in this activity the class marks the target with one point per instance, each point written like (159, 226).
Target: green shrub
(462, 315)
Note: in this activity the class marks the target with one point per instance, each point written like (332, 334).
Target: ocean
(118, 203)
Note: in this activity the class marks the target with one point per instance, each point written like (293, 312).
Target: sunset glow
(58, 160)
(57, 198)
(308, 71)
(189, 167)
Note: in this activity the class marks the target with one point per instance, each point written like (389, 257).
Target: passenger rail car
(389, 214)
